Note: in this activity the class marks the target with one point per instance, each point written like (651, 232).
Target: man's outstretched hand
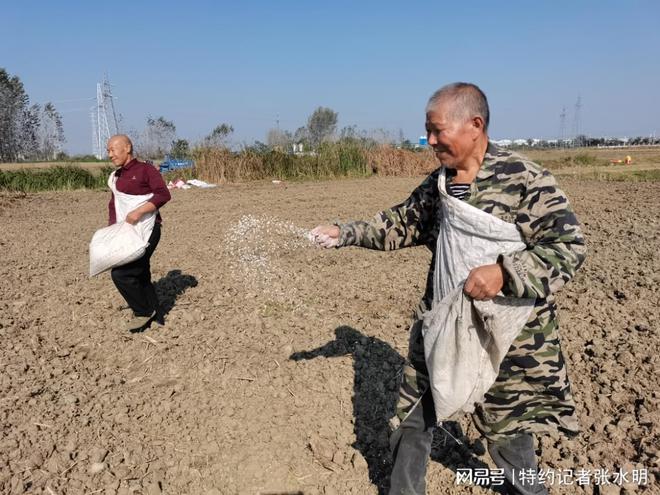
(326, 236)
(484, 282)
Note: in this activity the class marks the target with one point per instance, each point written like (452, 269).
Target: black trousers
(411, 446)
(133, 280)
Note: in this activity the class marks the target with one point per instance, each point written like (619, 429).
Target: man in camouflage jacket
(532, 393)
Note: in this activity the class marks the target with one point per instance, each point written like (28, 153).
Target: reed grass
(331, 160)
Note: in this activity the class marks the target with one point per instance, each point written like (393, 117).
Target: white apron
(121, 242)
(466, 340)
(125, 203)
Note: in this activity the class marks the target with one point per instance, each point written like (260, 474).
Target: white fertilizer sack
(115, 245)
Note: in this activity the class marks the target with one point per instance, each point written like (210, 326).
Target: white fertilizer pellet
(257, 246)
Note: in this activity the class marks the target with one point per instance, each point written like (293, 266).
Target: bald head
(120, 149)
(464, 101)
(121, 139)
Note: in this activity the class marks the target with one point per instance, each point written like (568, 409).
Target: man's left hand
(484, 282)
(134, 216)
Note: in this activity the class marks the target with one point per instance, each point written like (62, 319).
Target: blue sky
(375, 63)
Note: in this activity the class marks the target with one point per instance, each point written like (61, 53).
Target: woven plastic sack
(113, 246)
(465, 341)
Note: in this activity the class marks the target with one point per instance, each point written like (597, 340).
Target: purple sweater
(139, 178)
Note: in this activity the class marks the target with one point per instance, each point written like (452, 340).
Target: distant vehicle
(175, 163)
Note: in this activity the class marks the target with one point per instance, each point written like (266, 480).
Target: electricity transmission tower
(577, 124)
(562, 127)
(99, 114)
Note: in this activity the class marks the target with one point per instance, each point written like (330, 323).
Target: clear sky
(201, 63)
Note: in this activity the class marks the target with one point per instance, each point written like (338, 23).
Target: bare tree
(349, 132)
(321, 125)
(218, 136)
(157, 137)
(180, 148)
(19, 121)
(301, 136)
(28, 142)
(381, 136)
(277, 138)
(51, 133)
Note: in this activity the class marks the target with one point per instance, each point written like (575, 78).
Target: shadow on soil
(377, 373)
(171, 286)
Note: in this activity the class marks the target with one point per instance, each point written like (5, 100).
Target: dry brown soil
(277, 367)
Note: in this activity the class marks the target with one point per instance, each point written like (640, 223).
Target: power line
(69, 100)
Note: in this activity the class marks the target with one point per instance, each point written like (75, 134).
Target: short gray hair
(467, 101)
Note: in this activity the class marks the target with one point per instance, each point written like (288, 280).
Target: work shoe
(138, 323)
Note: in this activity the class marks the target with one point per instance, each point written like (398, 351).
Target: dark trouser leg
(411, 447)
(410, 443)
(133, 280)
(514, 455)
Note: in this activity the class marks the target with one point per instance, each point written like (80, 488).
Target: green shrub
(53, 179)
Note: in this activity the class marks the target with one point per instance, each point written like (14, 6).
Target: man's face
(453, 140)
(119, 152)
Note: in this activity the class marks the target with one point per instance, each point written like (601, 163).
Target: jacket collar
(129, 164)
(492, 156)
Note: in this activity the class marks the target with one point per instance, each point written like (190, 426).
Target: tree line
(159, 137)
(27, 131)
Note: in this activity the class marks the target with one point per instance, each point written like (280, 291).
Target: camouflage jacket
(532, 392)
(509, 187)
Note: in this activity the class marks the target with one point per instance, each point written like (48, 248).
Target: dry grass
(220, 165)
(332, 160)
(385, 160)
(596, 163)
(562, 158)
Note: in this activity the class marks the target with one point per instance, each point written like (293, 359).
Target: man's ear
(477, 125)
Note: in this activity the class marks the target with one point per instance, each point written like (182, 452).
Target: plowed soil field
(276, 369)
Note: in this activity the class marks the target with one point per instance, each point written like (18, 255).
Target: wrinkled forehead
(439, 114)
(444, 111)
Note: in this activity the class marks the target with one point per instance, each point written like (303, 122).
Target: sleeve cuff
(346, 237)
(515, 274)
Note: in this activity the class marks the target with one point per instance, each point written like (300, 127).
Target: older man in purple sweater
(133, 280)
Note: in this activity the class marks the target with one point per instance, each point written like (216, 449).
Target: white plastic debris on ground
(178, 184)
(200, 183)
(181, 184)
